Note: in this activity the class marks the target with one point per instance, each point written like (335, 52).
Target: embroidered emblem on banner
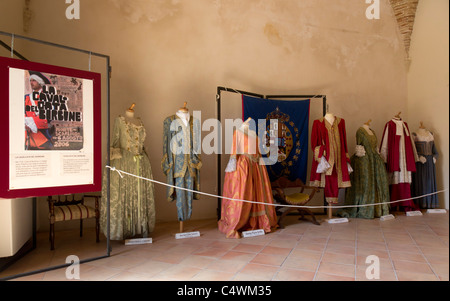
(287, 133)
(292, 117)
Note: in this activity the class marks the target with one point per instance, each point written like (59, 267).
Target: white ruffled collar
(423, 135)
(400, 126)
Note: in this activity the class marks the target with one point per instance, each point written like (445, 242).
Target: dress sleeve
(39, 123)
(231, 166)
(384, 144)
(115, 150)
(316, 141)
(167, 160)
(413, 145)
(360, 149)
(344, 140)
(196, 159)
(434, 149)
(29, 122)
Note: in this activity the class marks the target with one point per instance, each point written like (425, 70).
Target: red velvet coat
(393, 154)
(321, 145)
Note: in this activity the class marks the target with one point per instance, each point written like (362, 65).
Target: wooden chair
(297, 199)
(72, 209)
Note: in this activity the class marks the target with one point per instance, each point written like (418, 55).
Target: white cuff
(231, 166)
(350, 169)
(360, 151)
(323, 165)
(29, 122)
(115, 153)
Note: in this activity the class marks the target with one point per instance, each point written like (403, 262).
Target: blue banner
(292, 133)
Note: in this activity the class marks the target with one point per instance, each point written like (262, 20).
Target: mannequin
(424, 180)
(183, 113)
(130, 117)
(245, 127)
(422, 131)
(330, 117)
(132, 199)
(331, 165)
(398, 151)
(246, 179)
(370, 184)
(182, 166)
(366, 126)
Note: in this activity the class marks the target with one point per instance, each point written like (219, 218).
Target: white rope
(121, 172)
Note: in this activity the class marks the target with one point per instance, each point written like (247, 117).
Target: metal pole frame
(219, 118)
(108, 82)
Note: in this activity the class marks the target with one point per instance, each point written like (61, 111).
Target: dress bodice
(245, 143)
(367, 140)
(130, 136)
(424, 143)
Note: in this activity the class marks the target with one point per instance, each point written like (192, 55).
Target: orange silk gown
(249, 181)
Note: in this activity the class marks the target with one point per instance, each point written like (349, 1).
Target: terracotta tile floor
(408, 248)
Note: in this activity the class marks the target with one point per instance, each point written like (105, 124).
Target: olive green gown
(369, 181)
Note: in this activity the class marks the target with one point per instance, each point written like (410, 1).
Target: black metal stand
(219, 118)
(108, 73)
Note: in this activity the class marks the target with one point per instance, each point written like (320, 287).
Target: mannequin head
(129, 114)
(330, 117)
(130, 111)
(183, 109)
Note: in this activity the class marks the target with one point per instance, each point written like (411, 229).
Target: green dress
(132, 201)
(369, 180)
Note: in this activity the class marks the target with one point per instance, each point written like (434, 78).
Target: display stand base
(253, 233)
(387, 217)
(138, 241)
(414, 213)
(187, 235)
(337, 220)
(436, 211)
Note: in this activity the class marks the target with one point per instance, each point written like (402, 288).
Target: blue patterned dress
(424, 179)
(181, 162)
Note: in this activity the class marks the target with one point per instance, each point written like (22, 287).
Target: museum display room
(224, 140)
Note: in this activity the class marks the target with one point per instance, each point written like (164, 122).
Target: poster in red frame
(52, 130)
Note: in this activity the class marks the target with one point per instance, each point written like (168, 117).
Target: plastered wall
(166, 52)
(428, 97)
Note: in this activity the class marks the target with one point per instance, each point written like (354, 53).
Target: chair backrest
(64, 200)
(284, 182)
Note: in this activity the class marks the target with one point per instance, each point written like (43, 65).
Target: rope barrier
(121, 173)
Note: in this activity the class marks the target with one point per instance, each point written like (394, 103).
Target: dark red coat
(393, 154)
(320, 144)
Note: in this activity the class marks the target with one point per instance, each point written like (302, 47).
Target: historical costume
(331, 164)
(181, 162)
(369, 179)
(132, 202)
(399, 153)
(424, 180)
(37, 134)
(246, 179)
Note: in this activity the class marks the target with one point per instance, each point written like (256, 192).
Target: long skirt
(249, 182)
